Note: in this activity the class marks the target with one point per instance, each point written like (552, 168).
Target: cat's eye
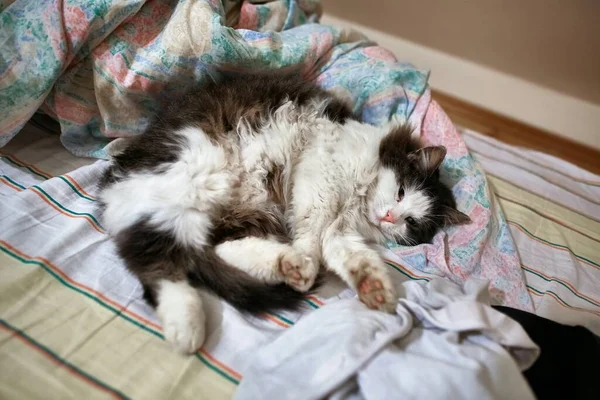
(400, 194)
(410, 220)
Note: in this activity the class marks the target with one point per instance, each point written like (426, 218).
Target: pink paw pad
(297, 271)
(372, 292)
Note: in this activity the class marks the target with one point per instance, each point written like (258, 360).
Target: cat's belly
(267, 160)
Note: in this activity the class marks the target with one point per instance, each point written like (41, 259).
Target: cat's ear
(429, 159)
(454, 217)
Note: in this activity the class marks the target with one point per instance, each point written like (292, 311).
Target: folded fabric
(443, 342)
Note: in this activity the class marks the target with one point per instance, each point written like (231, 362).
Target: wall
(553, 43)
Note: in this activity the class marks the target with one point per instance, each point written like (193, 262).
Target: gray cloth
(445, 342)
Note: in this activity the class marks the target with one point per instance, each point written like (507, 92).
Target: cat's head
(409, 204)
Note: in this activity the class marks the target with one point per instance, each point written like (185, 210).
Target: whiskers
(404, 240)
(433, 220)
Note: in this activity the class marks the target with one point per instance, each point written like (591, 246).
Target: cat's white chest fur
(317, 158)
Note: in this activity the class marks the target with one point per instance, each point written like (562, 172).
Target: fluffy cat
(246, 187)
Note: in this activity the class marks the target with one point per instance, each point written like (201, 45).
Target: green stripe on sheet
(20, 165)
(75, 189)
(563, 284)
(13, 182)
(588, 261)
(560, 300)
(45, 194)
(522, 155)
(406, 273)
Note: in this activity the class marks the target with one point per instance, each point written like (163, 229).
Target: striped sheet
(553, 210)
(71, 331)
(86, 332)
(105, 355)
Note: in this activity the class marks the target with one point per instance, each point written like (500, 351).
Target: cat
(244, 188)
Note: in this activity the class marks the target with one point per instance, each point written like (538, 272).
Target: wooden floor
(516, 133)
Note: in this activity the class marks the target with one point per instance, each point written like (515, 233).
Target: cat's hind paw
(186, 335)
(298, 271)
(182, 315)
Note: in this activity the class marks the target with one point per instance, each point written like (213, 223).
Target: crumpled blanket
(98, 66)
(444, 342)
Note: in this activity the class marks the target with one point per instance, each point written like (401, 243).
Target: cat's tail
(241, 290)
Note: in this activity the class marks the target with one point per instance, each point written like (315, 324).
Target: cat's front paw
(377, 294)
(373, 285)
(298, 271)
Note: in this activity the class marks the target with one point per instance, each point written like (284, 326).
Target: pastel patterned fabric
(98, 66)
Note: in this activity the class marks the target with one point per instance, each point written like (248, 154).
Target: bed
(69, 330)
(72, 319)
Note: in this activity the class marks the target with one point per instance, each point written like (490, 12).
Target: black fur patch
(241, 222)
(418, 167)
(216, 108)
(154, 255)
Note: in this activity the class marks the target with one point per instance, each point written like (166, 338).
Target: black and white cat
(246, 187)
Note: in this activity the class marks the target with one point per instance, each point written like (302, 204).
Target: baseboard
(496, 91)
(510, 131)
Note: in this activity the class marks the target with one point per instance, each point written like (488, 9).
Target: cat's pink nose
(389, 218)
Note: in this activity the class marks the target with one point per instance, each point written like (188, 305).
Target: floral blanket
(98, 66)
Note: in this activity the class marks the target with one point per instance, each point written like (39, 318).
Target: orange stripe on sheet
(546, 216)
(542, 177)
(402, 269)
(27, 165)
(492, 143)
(276, 321)
(548, 278)
(315, 299)
(89, 220)
(88, 289)
(553, 245)
(560, 301)
(528, 191)
(78, 186)
(11, 185)
(218, 363)
(148, 325)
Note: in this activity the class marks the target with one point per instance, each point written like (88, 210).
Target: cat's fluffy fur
(246, 187)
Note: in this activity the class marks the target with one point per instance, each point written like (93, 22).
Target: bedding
(98, 66)
(553, 211)
(72, 321)
(64, 332)
(67, 300)
(441, 334)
